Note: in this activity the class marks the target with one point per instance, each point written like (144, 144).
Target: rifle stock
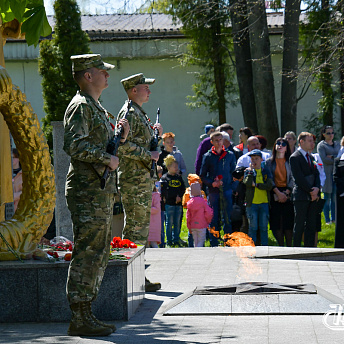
(155, 143)
(112, 148)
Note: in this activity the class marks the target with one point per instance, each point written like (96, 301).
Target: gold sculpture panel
(37, 202)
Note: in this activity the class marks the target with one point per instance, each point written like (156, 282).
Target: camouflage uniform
(87, 133)
(135, 182)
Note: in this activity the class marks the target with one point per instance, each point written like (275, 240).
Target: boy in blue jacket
(216, 173)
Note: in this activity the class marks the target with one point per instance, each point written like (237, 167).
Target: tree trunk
(342, 95)
(326, 69)
(243, 63)
(263, 80)
(219, 71)
(341, 63)
(290, 66)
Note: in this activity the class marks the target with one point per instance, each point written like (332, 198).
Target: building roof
(127, 26)
(145, 25)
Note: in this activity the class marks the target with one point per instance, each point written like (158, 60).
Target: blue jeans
(190, 240)
(258, 217)
(173, 215)
(224, 214)
(330, 204)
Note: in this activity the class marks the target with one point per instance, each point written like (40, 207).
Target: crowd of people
(234, 188)
(246, 187)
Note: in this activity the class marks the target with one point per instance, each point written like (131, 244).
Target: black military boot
(151, 287)
(82, 323)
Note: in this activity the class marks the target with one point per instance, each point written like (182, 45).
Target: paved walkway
(181, 270)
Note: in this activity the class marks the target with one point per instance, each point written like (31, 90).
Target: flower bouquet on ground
(122, 249)
(59, 248)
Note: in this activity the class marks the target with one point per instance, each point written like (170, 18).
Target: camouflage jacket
(135, 154)
(87, 134)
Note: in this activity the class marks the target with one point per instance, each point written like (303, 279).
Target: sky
(100, 6)
(105, 6)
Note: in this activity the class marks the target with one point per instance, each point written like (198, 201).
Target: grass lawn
(325, 237)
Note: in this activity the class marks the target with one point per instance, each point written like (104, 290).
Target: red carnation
(126, 242)
(117, 242)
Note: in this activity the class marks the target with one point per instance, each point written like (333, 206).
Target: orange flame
(245, 250)
(238, 239)
(215, 233)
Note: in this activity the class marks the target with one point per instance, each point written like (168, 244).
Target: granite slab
(35, 291)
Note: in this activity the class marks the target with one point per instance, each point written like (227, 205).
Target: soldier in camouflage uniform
(87, 134)
(136, 161)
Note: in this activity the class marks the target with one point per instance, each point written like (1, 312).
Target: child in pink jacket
(198, 215)
(154, 237)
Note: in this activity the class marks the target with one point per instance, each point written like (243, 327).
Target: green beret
(82, 62)
(133, 80)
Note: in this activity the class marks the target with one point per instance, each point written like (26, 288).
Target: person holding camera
(258, 181)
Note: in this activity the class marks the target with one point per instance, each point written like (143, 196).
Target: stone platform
(35, 291)
(181, 270)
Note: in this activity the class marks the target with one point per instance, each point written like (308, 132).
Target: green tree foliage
(31, 13)
(205, 22)
(156, 6)
(54, 62)
(321, 37)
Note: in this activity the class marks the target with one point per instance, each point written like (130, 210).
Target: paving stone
(180, 272)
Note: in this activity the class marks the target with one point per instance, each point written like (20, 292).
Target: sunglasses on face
(281, 143)
(330, 133)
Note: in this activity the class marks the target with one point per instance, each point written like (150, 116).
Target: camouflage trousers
(91, 217)
(137, 200)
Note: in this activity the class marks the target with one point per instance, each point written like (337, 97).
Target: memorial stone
(61, 164)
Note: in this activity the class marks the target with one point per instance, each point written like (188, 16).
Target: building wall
(173, 84)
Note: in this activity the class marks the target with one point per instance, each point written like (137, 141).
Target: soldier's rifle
(112, 147)
(155, 143)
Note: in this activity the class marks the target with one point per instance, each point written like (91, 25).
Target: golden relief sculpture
(6, 192)
(37, 202)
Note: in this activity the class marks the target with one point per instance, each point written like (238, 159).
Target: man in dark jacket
(216, 173)
(205, 145)
(305, 192)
